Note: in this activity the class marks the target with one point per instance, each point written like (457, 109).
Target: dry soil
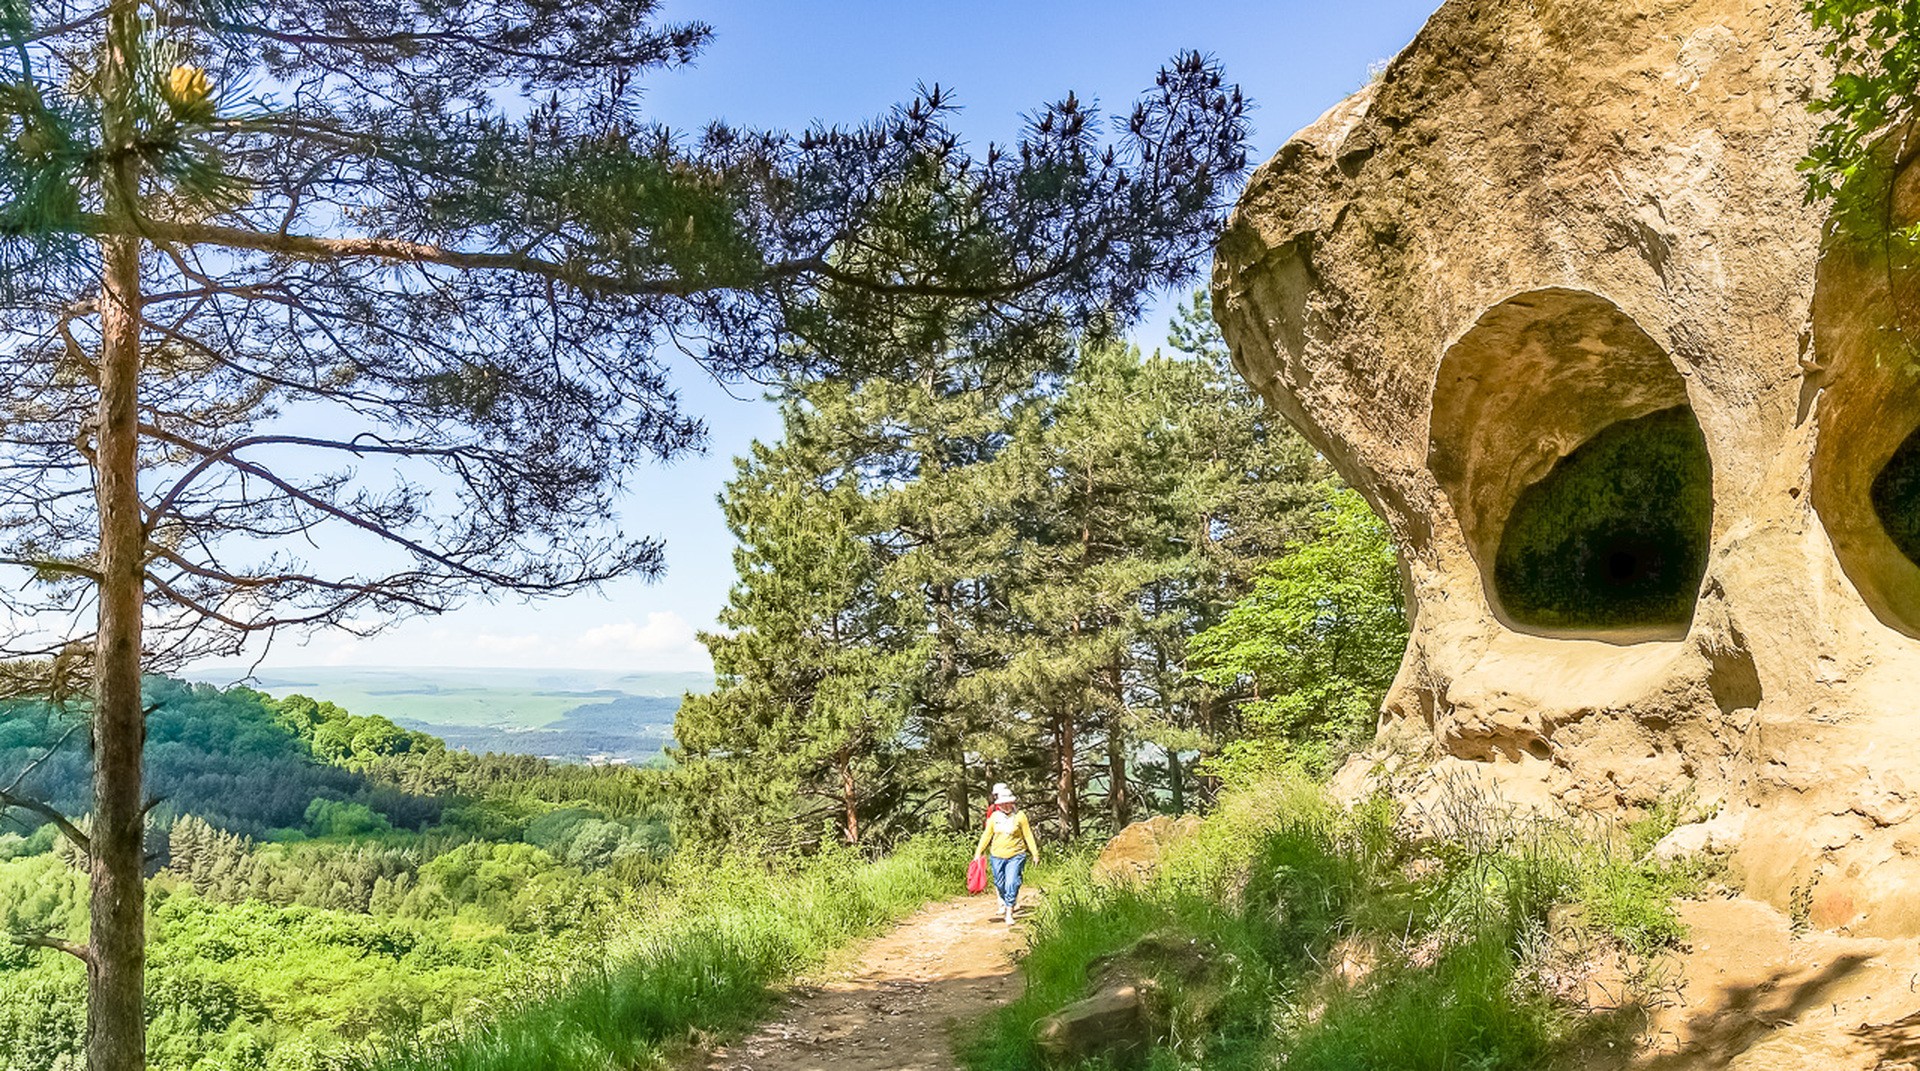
(895, 1007)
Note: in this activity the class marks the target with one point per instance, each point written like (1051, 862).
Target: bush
(335, 818)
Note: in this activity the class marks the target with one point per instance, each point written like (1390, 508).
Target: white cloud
(665, 641)
(492, 643)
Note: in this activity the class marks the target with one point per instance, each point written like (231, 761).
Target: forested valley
(323, 881)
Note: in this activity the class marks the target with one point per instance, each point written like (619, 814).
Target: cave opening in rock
(1615, 536)
(1895, 494)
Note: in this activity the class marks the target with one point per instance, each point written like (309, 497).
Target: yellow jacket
(1007, 836)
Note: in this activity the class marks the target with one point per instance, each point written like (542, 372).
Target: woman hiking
(1009, 839)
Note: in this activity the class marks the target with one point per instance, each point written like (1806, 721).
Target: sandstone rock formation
(1548, 293)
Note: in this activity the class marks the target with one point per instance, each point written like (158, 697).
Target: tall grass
(703, 956)
(1338, 941)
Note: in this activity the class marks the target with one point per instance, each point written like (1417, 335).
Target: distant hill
(571, 715)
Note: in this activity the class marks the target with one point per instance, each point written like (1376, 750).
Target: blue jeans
(1006, 876)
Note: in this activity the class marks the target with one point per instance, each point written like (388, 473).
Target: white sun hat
(1002, 794)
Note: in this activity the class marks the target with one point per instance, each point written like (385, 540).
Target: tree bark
(1119, 805)
(1066, 789)
(116, 962)
(946, 672)
(849, 798)
(116, 1035)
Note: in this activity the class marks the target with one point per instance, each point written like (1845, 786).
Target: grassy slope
(1282, 885)
(703, 959)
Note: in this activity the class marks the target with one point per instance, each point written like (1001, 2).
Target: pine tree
(1017, 558)
(813, 669)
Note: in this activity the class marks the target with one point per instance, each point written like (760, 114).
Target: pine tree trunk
(959, 799)
(1066, 789)
(116, 963)
(1176, 785)
(116, 1019)
(849, 798)
(947, 670)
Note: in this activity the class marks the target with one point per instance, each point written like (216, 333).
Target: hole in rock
(1564, 440)
(1615, 536)
(1896, 497)
(1863, 386)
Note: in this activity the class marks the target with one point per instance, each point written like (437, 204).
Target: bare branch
(59, 821)
(40, 940)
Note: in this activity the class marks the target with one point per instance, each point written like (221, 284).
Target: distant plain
(567, 714)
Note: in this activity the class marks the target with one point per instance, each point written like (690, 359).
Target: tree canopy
(989, 569)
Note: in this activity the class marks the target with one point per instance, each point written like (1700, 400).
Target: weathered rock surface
(1545, 231)
(1137, 850)
(1111, 1025)
(1128, 1008)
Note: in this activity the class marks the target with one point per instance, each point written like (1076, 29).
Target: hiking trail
(896, 1000)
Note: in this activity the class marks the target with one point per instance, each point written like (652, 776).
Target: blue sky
(784, 64)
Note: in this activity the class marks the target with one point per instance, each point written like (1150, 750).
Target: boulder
(1548, 293)
(1137, 850)
(1112, 1025)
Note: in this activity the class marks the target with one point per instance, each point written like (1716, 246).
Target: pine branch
(400, 250)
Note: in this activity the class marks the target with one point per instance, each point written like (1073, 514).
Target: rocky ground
(1751, 995)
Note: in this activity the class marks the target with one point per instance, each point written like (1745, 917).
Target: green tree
(813, 669)
(217, 215)
(1013, 550)
(1091, 470)
(1309, 654)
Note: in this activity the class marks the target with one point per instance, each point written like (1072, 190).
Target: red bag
(977, 876)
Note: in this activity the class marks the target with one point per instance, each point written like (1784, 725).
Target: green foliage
(333, 818)
(1312, 649)
(1864, 144)
(1442, 942)
(1868, 111)
(345, 929)
(237, 758)
(296, 956)
(987, 569)
(1615, 535)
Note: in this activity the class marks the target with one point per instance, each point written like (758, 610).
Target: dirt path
(895, 1008)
